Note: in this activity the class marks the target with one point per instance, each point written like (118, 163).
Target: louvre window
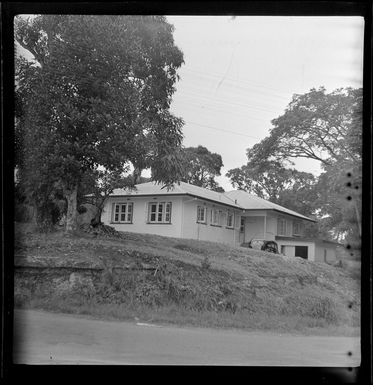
(281, 226)
(215, 217)
(230, 220)
(201, 214)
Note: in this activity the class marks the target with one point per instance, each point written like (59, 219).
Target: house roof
(152, 188)
(236, 199)
(307, 239)
(251, 202)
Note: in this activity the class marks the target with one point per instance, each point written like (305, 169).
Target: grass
(192, 283)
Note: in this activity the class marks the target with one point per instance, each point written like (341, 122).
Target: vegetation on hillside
(127, 275)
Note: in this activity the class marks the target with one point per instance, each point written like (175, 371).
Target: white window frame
(215, 217)
(230, 216)
(121, 209)
(201, 218)
(297, 225)
(281, 227)
(242, 224)
(162, 212)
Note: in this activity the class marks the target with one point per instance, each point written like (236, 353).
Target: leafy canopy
(319, 126)
(200, 167)
(96, 93)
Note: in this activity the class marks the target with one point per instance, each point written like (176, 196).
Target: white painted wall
(140, 216)
(183, 219)
(290, 247)
(260, 224)
(330, 253)
(254, 228)
(206, 231)
(271, 227)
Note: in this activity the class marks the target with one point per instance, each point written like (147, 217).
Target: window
(230, 220)
(215, 217)
(242, 225)
(122, 212)
(159, 212)
(281, 226)
(297, 227)
(201, 214)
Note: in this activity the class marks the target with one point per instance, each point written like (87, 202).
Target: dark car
(261, 244)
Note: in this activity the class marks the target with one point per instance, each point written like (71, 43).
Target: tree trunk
(71, 197)
(34, 219)
(97, 218)
(137, 175)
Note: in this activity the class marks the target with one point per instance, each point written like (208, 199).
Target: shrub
(206, 264)
(306, 305)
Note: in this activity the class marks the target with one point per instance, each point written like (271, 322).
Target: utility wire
(221, 129)
(246, 106)
(242, 80)
(237, 90)
(217, 109)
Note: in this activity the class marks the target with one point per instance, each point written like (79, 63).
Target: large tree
(96, 88)
(316, 125)
(322, 126)
(269, 179)
(201, 166)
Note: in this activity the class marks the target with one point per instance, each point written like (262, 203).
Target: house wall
(328, 249)
(271, 227)
(140, 216)
(254, 228)
(183, 219)
(289, 225)
(255, 221)
(290, 247)
(207, 231)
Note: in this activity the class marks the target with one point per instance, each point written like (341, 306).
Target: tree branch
(32, 51)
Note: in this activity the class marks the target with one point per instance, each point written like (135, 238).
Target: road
(49, 338)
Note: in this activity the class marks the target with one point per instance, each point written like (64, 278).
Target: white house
(234, 218)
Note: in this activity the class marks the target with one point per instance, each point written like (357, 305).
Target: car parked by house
(264, 245)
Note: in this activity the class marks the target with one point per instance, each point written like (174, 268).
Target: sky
(240, 73)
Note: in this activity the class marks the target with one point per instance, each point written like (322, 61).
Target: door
(301, 251)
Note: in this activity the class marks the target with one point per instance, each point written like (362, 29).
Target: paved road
(43, 338)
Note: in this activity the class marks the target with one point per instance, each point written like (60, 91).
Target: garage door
(301, 251)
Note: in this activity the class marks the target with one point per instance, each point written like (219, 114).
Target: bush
(324, 308)
(206, 264)
(23, 213)
(306, 305)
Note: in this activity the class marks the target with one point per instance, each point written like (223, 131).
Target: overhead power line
(221, 129)
(219, 110)
(241, 81)
(195, 95)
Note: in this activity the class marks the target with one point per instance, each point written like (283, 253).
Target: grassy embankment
(185, 282)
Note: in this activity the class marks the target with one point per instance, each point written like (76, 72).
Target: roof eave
(282, 212)
(176, 194)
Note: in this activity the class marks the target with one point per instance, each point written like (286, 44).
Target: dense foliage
(94, 96)
(201, 166)
(326, 127)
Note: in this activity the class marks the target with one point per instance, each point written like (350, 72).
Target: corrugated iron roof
(238, 199)
(152, 188)
(306, 239)
(252, 202)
